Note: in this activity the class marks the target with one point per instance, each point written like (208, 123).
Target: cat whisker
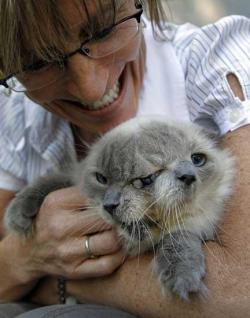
(180, 209)
(217, 260)
(139, 237)
(169, 233)
(225, 250)
(86, 213)
(131, 236)
(150, 237)
(144, 212)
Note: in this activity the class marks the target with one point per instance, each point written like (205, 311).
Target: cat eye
(100, 178)
(199, 159)
(144, 182)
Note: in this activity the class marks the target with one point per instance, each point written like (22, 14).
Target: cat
(162, 184)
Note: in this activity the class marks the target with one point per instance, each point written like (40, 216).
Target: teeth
(107, 99)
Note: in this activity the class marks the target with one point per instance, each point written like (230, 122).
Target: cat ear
(209, 127)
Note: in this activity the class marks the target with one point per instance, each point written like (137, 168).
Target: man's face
(95, 94)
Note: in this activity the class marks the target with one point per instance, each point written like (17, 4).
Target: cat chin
(135, 247)
(137, 243)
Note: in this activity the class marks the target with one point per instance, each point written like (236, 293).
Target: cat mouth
(140, 229)
(136, 230)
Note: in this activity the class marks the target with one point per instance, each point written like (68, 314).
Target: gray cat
(163, 185)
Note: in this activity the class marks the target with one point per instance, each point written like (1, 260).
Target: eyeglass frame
(80, 50)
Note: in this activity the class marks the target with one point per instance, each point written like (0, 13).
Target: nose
(185, 172)
(111, 200)
(188, 179)
(110, 208)
(87, 78)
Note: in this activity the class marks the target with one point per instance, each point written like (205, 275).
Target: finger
(79, 224)
(70, 219)
(92, 221)
(68, 197)
(103, 243)
(100, 244)
(98, 267)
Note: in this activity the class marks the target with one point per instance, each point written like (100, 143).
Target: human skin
(132, 287)
(57, 247)
(228, 264)
(135, 289)
(86, 80)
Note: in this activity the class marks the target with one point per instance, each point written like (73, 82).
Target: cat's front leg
(23, 208)
(180, 264)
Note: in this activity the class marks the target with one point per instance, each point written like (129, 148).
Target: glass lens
(33, 80)
(112, 41)
(14, 85)
(116, 39)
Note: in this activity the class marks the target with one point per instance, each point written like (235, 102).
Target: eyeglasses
(110, 40)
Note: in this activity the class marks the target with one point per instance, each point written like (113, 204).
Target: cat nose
(111, 200)
(110, 208)
(188, 179)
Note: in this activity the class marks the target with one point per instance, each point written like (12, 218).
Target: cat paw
(182, 273)
(24, 207)
(183, 284)
(21, 211)
(180, 265)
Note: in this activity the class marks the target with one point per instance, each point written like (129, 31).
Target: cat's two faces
(162, 185)
(146, 175)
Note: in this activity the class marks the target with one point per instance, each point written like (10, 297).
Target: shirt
(185, 79)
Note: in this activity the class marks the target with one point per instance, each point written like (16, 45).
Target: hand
(58, 242)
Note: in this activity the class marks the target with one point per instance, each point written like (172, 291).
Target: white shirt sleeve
(10, 182)
(33, 141)
(12, 131)
(208, 55)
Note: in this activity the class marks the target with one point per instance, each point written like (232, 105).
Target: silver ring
(87, 247)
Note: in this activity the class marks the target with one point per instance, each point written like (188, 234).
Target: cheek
(207, 174)
(133, 205)
(130, 52)
(163, 186)
(45, 95)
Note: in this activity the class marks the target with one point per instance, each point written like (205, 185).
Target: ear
(209, 127)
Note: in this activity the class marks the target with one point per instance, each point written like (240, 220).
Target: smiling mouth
(107, 100)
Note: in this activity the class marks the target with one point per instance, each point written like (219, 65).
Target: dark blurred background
(204, 11)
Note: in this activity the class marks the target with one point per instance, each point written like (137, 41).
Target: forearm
(5, 198)
(135, 289)
(15, 282)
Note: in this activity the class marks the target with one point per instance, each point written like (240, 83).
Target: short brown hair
(32, 29)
